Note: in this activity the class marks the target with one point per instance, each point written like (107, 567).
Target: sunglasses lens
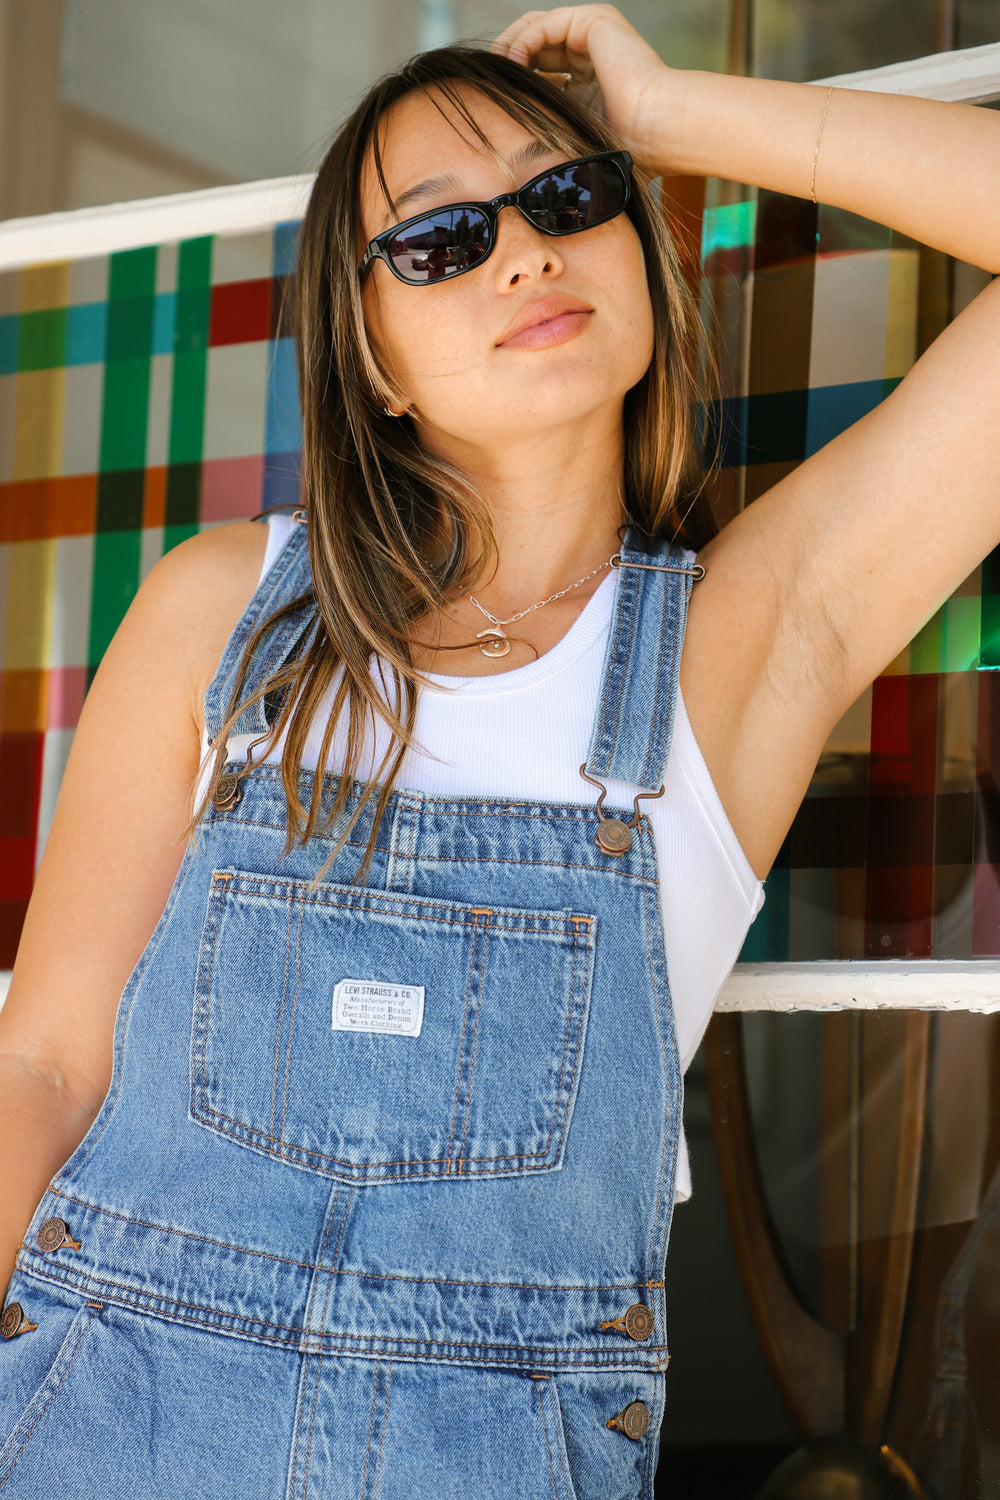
(577, 197)
(440, 245)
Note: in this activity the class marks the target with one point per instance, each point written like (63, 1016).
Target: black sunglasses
(444, 243)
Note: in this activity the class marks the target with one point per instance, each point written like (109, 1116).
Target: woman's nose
(523, 252)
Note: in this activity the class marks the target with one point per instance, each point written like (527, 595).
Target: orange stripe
(23, 700)
(154, 497)
(32, 510)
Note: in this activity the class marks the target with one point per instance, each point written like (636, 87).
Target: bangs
(541, 124)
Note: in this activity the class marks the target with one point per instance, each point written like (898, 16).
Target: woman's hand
(611, 70)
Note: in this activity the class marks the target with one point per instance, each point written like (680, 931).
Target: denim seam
(613, 673)
(674, 623)
(560, 1438)
(291, 1018)
(552, 864)
(84, 1326)
(560, 1445)
(205, 988)
(371, 1424)
(429, 804)
(662, 632)
(306, 1342)
(545, 1438)
(411, 852)
(305, 1265)
(570, 1012)
(673, 1076)
(475, 1039)
(392, 853)
(367, 901)
(650, 1262)
(335, 1269)
(617, 683)
(288, 1152)
(281, 1013)
(385, 1423)
(319, 1268)
(461, 1052)
(124, 1012)
(447, 859)
(312, 1421)
(649, 1471)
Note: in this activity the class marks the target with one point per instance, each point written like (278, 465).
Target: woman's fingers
(607, 61)
(554, 41)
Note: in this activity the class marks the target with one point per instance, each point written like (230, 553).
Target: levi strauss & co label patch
(369, 1005)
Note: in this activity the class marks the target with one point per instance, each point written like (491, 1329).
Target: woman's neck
(555, 502)
(557, 517)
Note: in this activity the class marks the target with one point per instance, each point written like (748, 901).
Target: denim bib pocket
(462, 1049)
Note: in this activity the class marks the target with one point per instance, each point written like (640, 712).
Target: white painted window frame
(971, 75)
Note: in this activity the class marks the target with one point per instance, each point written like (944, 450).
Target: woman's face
(451, 349)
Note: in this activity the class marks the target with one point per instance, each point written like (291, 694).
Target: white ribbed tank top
(524, 734)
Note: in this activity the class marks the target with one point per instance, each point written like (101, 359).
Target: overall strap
(631, 736)
(289, 578)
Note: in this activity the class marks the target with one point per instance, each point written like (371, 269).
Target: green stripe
(122, 461)
(125, 411)
(43, 339)
(116, 579)
(187, 401)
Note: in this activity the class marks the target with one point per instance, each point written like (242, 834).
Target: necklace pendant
(493, 643)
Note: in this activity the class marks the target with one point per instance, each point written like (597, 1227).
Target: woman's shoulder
(198, 591)
(211, 575)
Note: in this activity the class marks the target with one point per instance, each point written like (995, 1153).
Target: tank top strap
(630, 741)
(287, 580)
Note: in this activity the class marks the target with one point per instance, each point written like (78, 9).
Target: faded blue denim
(318, 1263)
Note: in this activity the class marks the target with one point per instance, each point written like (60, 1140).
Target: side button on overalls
(377, 1203)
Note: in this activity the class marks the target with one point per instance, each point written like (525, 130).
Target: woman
(371, 1193)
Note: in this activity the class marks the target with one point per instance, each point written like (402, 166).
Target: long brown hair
(393, 530)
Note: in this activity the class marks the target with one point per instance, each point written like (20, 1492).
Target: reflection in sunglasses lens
(577, 198)
(440, 245)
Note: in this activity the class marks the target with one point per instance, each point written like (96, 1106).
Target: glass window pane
(817, 38)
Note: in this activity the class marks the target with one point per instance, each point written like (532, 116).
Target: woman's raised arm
(917, 165)
(822, 581)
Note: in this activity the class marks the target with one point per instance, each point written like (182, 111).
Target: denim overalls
(377, 1204)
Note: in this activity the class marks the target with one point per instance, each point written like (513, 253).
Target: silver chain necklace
(494, 642)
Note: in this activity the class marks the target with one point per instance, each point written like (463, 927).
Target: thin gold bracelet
(819, 137)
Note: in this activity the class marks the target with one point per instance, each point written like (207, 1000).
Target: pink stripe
(67, 686)
(231, 488)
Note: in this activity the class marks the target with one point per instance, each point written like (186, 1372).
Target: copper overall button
(639, 1321)
(14, 1322)
(633, 1421)
(53, 1234)
(227, 792)
(613, 836)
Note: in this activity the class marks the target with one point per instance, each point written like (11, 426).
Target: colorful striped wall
(150, 393)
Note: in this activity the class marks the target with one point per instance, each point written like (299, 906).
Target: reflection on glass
(878, 1137)
(819, 38)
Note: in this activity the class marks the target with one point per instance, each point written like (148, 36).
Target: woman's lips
(541, 325)
(556, 330)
